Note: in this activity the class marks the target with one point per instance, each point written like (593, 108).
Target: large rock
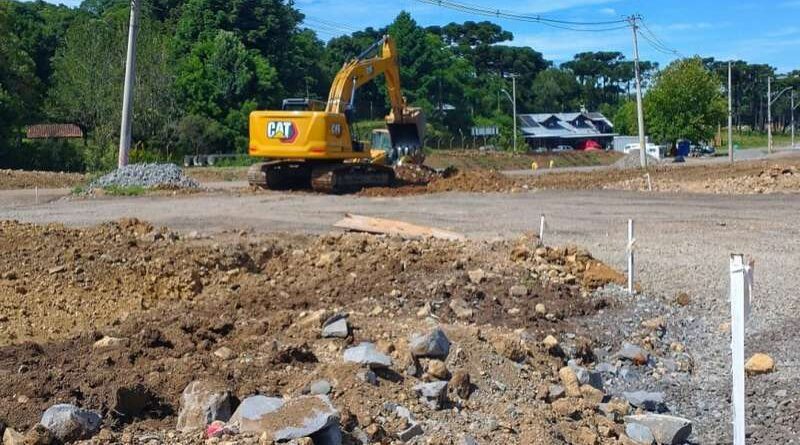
(367, 354)
(336, 329)
(69, 423)
(570, 382)
(759, 364)
(433, 344)
(649, 401)
(203, 402)
(283, 420)
(639, 434)
(663, 429)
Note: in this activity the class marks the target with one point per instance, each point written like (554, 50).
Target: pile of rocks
(633, 160)
(147, 176)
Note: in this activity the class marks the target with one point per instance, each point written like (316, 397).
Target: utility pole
(730, 115)
(127, 96)
(514, 95)
(792, 111)
(769, 114)
(639, 108)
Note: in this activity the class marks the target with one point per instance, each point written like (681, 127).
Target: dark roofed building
(550, 130)
(53, 131)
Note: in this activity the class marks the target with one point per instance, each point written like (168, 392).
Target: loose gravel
(632, 160)
(147, 176)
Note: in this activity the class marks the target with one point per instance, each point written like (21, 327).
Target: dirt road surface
(683, 245)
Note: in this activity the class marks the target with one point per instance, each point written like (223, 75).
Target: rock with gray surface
(202, 402)
(367, 354)
(433, 394)
(69, 423)
(286, 419)
(649, 401)
(433, 344)
(336, 329)
(664, 429)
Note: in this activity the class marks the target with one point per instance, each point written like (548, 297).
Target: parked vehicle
(701, 150)
(562, 148)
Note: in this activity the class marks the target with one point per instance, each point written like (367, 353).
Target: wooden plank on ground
(360, 223)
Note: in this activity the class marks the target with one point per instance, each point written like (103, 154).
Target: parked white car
(652, 149)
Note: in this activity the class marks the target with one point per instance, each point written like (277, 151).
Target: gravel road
(683, 244)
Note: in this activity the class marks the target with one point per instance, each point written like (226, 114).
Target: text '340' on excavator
(310, 143)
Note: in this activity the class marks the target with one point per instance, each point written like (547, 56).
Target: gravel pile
(631, 160)
(146, 175)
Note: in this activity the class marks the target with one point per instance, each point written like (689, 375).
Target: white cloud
(608, 11)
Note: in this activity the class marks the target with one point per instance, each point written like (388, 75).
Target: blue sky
(766, 31)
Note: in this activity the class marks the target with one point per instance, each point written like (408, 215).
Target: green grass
(751, 139)
(133, 190)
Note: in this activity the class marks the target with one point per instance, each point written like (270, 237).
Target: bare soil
(22, 179)
(175, 300)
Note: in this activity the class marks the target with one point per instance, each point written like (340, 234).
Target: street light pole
(792, 111)
(514, 93)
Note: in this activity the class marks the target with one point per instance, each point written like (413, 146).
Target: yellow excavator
(311, 143)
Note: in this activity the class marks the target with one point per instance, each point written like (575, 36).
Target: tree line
(203, 65)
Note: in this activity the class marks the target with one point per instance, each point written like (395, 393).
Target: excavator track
(280, 175)
(350, 177)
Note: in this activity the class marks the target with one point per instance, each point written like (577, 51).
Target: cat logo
(285, 131)
(336, 129)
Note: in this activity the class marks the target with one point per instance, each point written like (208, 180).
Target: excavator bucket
(407, 133)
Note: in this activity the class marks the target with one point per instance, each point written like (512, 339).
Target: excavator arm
(406, 124)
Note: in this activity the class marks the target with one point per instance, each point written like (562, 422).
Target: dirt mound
(633, 160)
(169, 303)
(476, 181)
(769, 179)
(21, 179)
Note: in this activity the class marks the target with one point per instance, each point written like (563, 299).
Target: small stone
(433, 344)
(320, 387)
(550, 342)
(203, 402)
(654, 324)
(633, 353)
(367, 354)
(649, 401)
(461, 384)
(555, 392)
(327, 259)
(336, 329)
(12, 437)
(682, 299)
(69, 423)
(540, 309)
(468, 440)
(663, 429)
(567, 408)
(570, 381)
(56, 269)
(759, 364)
(476, 276)
(461, 308)
(39, 435)
(110, 342)
(368, 376)
(433, 394)
(592, 394)
(518, 291)
(225, 353)
(510, 348)
(438, 370)
(411, 432)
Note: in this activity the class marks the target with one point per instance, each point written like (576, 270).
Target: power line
(656, 42)
(553, 23)
(331, 24)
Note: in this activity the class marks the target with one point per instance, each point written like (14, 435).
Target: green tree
(18, 84)
(684, 102)
(625, 120)
(555, 90)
